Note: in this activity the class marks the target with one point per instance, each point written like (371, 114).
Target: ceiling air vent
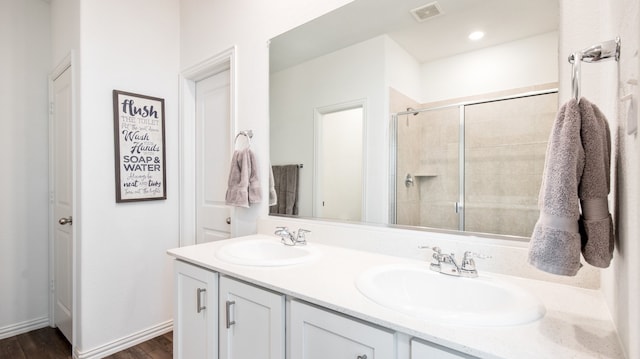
(426, 12)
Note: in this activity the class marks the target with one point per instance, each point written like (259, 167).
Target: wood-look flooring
(49, 343)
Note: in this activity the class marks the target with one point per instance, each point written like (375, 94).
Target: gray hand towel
(244, 184)
(576, 168)
(286, 187)
(596, 224)
(255, 191)
(238, 183)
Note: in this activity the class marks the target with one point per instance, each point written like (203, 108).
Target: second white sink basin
(417, 291)
(265, 251)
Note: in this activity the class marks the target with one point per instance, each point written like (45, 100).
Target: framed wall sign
(139, 147)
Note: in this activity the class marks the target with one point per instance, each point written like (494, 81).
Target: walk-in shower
(473, 166)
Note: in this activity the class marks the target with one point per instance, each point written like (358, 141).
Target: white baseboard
(23, 327)
(125, 342)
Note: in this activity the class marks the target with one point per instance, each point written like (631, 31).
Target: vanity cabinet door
(319, 334)
(195, 327)
(251, 322)
(425, 350)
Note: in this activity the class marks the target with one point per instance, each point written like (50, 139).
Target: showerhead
(412, 109)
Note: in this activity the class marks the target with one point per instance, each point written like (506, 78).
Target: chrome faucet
(292, 238)
(446, 263)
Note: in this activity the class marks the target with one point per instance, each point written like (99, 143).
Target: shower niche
(474, 166)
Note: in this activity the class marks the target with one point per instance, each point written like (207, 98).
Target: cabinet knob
(363, 356)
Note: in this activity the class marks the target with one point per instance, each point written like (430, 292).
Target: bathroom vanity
(305, 302)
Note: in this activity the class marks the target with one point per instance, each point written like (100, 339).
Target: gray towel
(286, 187)
(243, 186)
(576, 169)
(255, 191)
(596, 224)
(273, 196)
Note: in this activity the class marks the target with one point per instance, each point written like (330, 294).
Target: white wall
(24, 65)
(65, 29)
(521, 63)
(583, 24)
(208, 28)
(350, 74)
(402, 71)
(123, 276)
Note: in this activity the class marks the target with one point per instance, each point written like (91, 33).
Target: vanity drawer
(425, 350)
(319, 334)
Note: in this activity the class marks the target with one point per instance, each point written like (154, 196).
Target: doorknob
(228, 220)
(64, 221)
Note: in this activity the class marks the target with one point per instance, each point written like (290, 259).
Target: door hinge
(51, 107)
(52, 285)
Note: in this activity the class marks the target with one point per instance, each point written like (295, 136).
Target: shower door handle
(457, 207)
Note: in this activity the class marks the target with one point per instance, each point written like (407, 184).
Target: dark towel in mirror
(286, 186)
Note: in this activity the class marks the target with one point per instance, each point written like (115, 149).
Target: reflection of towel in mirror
(576, 173)
(273, 196)
(243, 184)
(286, 187)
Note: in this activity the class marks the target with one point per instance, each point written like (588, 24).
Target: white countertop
(577, 323)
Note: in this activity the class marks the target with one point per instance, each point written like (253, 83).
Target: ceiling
(441, 36)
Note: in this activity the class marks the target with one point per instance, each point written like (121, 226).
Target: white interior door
(339, 165)
(62, 204)
(213, 136)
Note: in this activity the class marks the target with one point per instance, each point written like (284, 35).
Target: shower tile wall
(505, 146)
(438, 172)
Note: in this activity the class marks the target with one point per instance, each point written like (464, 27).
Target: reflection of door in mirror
(339, 153)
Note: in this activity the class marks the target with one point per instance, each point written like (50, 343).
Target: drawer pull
(363, 356)
(228, 305)
(199, 300)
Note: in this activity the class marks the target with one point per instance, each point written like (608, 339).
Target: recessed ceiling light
(476, 35)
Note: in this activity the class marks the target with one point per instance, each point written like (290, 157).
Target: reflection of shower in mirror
(447, 159)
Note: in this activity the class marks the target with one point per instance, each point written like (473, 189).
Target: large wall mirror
(387, 112)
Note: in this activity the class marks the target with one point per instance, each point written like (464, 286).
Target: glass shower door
(473, 167)
(505, 145)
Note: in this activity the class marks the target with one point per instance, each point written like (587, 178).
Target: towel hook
(246, 133)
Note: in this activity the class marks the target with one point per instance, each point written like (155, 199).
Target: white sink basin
(266, 252)
(417, 291)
